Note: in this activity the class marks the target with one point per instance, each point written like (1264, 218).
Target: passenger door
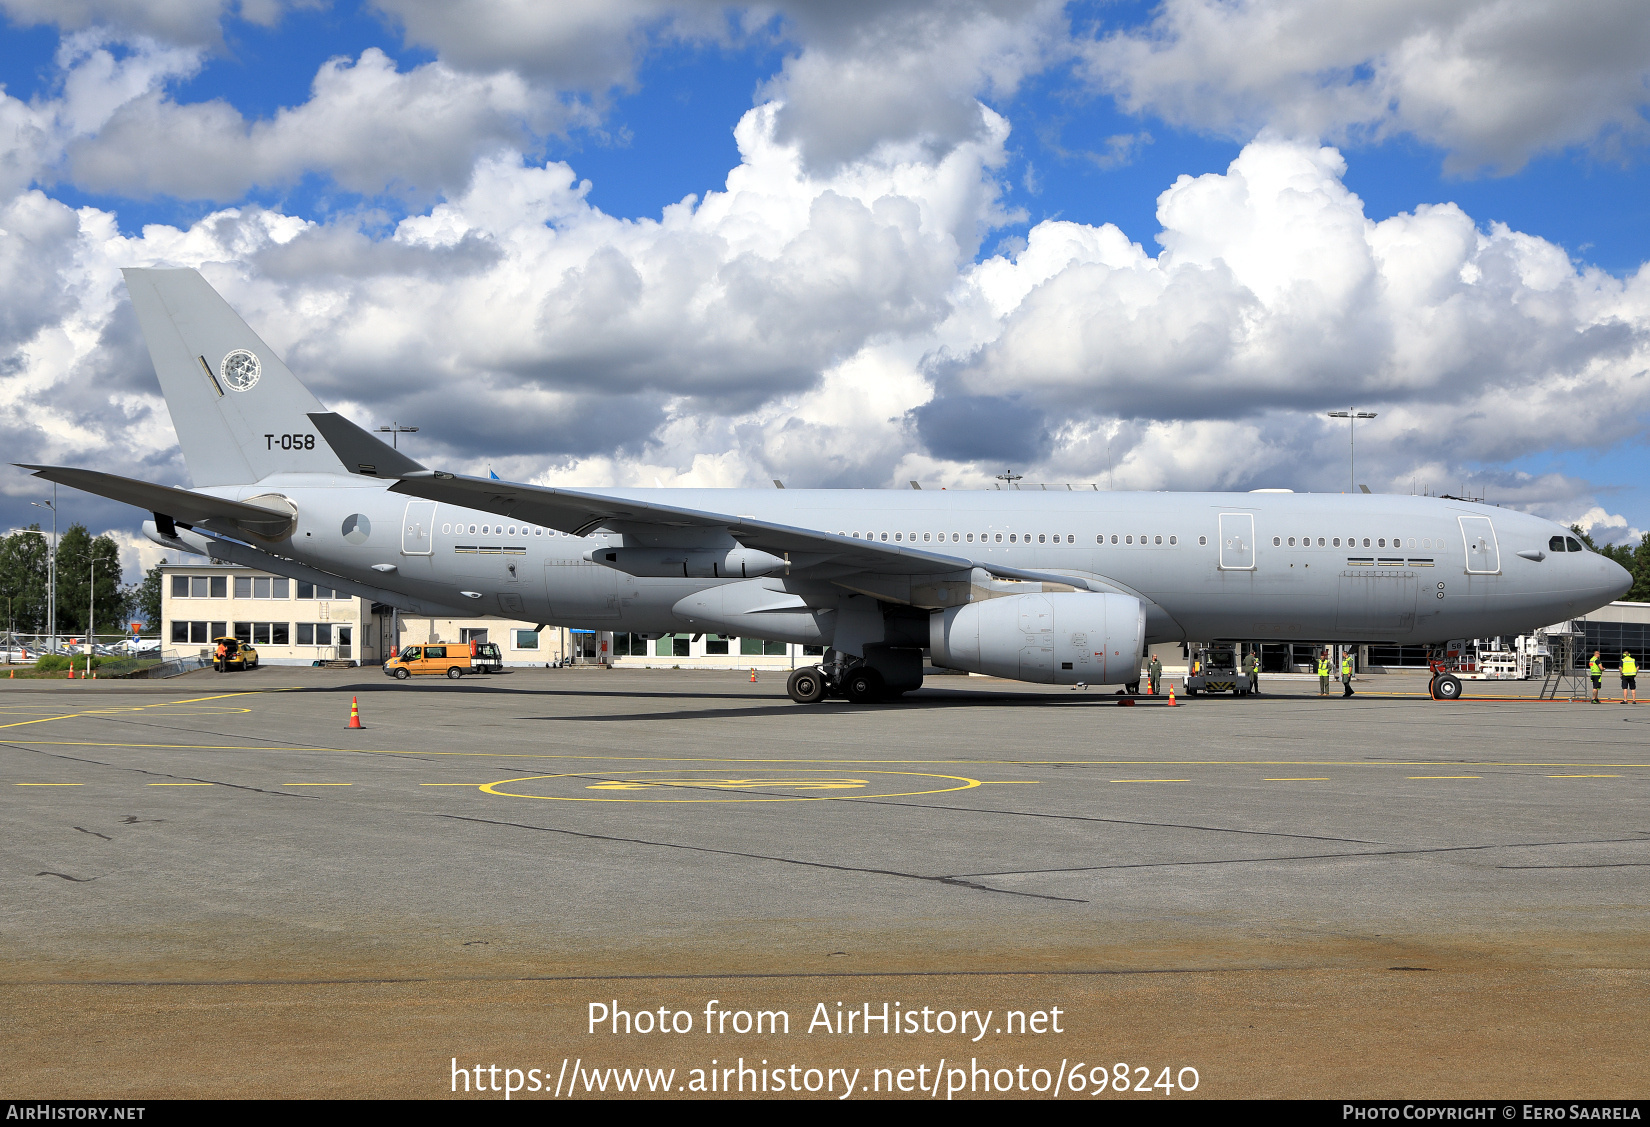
(1483, 553)
(1237, 541)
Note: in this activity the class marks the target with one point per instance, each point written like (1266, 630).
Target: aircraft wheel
(1447, 688)
(806, 686)
(454, 672)
(864, 686)
(402, 675)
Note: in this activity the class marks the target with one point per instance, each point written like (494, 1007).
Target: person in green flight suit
(1154, 674)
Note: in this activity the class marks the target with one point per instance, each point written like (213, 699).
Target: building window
(472, 634)
(759, 647)
(243, 587)
(194, 633)
(311, 591)
(526, 639)
(716, 644)
(815, 651)
(243, 632)
(315, 633)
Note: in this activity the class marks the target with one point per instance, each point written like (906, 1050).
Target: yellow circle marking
(636, 783)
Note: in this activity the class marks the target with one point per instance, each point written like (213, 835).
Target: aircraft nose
(1615, 581)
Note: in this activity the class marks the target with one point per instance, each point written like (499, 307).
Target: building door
(1483, 553)
(346, 635)
(1237, 541)
(418, 529)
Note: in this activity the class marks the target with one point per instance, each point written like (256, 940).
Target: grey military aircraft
(1057, 587)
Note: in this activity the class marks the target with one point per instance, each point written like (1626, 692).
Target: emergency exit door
(1237, 541)
(418, 529)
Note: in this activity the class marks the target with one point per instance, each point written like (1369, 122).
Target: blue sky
(1104, 113)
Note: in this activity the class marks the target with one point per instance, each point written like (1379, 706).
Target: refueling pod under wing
(1056, 639)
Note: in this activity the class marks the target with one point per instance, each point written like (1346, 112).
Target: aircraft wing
(824, 555)
(578, 512)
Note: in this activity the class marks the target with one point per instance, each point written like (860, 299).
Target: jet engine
(1056, 639)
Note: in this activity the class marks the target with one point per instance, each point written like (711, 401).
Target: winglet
(359, 451)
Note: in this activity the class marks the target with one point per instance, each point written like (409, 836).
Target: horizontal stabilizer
(360, 451)
(181, 505)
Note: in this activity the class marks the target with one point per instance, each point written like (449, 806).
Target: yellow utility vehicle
(232, 653)
(450, 659)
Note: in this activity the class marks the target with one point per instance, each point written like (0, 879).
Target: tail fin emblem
(241, 370)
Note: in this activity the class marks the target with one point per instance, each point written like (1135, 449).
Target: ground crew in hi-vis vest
(1629, 678)
(1595, 670)
(1346, 673)
(1323, 674)
(1254, 672)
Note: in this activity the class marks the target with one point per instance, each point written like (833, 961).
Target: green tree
(23, 579)
(76, 553)
(143, 600)
(1635, 558)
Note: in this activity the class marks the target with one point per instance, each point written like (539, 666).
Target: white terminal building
(297, 623)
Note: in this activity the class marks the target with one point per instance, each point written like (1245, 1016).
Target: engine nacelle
(1057, 639)
(688, 563)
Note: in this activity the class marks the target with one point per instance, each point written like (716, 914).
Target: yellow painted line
(1324, 779)
(179, 784)
(452, 784)
(135, 708)
(1016, 762)
(1011, 782)
(48, 784)
(317, 784)
(1445, 776)
(1584, 776)
(1151, 780)
(962, 784)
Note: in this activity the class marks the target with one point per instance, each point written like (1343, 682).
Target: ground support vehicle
(447, 659)
(1218, 670)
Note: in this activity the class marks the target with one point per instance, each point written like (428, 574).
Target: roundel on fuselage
(357, 528)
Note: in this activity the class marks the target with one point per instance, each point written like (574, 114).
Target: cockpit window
(1573, 543)
(1556, 544)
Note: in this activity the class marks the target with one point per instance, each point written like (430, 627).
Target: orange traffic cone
(354, 714)
(753, 675)
(1172, 703)
(71, 670)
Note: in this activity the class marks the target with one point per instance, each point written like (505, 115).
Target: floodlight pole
(91, 612)
(1352, 418)
(395, 431)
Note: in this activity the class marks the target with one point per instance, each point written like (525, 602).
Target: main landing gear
(858, 683)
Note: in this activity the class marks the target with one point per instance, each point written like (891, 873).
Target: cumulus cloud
(184, 22)
(1492, 82)
(1274, 296)
(367, 125)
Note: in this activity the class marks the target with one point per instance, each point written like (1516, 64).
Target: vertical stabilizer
(240, 414)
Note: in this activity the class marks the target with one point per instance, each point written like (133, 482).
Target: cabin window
(885, 536)
(1320, 541)
(1336, 541)
(1366, 541)
(1071, 539)
(999, 537)
(1042, 538)
(956, 537)
(1203, 541)
(971, 538)
(896, 536)
(925, 536)
(1277, 542)
(1128, 539)
(1291, 541)
(1174, 540)
(1573, 544)
(1157, 539)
